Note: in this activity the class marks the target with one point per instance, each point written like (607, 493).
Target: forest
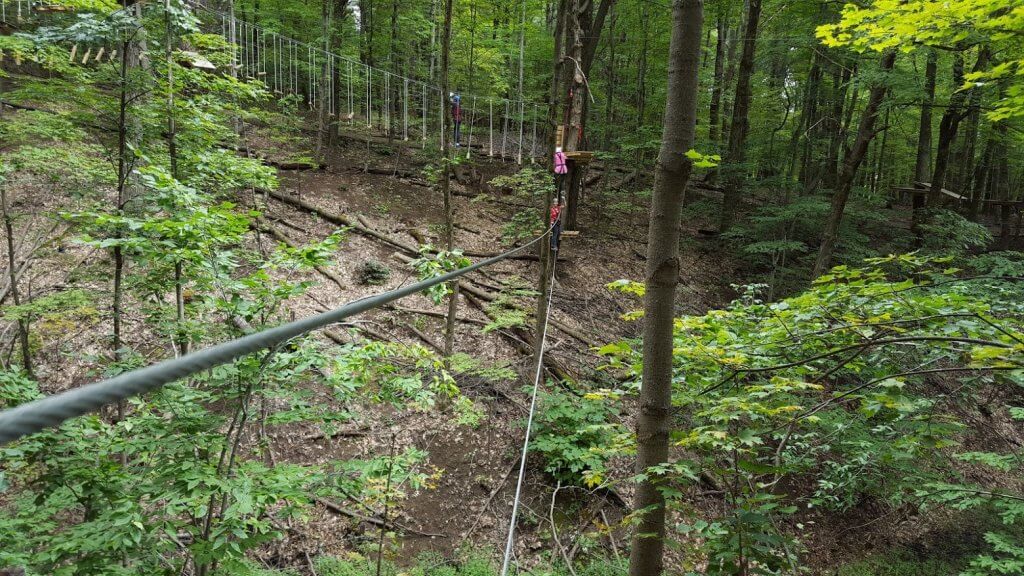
(494, 287)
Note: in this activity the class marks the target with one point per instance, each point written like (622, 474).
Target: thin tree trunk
(968, 144)
(12, 269)
(923, 162)
(834, 125)
(672, 173)
(736, 154)
(716, 87)
(980, 178)
(852, 161)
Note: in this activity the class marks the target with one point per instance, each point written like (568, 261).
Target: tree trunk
(672, 173)
(923, 165)
(852, 161)
(979, 179)
(968, 144)
(583, 33)
(449, 213)
(834, 124)
(12, 269)
(716, 86)
(736, 153)
(948, 127)
(574, 89)
(546, 260)
(323, 110)
(923, 162)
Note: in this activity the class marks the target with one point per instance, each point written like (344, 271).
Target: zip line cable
(529, 421)
(51, 411)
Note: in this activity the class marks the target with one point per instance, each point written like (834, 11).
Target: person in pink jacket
(561, 168)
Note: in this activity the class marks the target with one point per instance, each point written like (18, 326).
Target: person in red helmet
(556, 224)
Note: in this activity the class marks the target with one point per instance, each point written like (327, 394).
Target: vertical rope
(519, 155)
(490, 129)
(533, 144)
(330, 82)
(405, 110)
(369, 97)
(387, 103)
(472, 120)
(504, 130)
(424, 113)
(351, 102)
(529, 421)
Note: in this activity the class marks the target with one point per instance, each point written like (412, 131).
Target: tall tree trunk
(127, 135)
(546, 260)
(576, 95)
(393, 67)
(923, 164)
(968, 144)
(811, 125)
(449, 209)
(948, 126)
(852, 161)
(672, 173)
(979, 179)
(716, 86)
(732, 56)
(181, 340)
(583, 33)
(736, 154)
(834, 124)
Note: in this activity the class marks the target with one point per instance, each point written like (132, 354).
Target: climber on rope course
(561, 169)
(456, 102)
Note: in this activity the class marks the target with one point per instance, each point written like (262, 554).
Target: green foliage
(529, 184)
(433, 262)
(374, 273)
(576, 436)
(523, 225)
(897, 24)
(949, 233)
(830, 390)
(506, 311)
(466, 365)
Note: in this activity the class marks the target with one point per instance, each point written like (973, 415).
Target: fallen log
(342, 511)
(434, 314)
(343, 220)
(289, 166)
(385, 171)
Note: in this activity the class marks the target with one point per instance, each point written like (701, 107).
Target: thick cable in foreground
(51, 411)
(529, 421)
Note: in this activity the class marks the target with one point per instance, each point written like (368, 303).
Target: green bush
(374, 273)
(575, 436)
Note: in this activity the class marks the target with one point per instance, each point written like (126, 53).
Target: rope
(51, 411)
(529, 420)
(472, 120)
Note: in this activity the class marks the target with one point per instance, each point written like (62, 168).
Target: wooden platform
(580, 157)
